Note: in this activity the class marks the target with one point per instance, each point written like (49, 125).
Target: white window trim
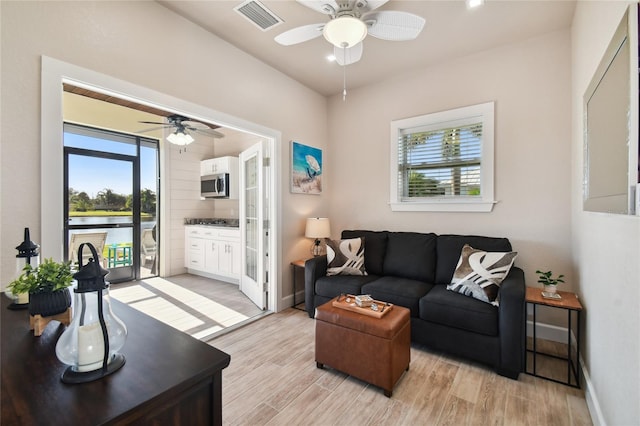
(485, 202)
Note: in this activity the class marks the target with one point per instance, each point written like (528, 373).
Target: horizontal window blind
(441, 162)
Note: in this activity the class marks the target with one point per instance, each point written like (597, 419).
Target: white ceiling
(451, 31)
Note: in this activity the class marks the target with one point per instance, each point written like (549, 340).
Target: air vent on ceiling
(258, 14)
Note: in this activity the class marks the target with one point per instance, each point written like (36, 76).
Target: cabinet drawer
(195, 245)
(229, 234)
(196, 259)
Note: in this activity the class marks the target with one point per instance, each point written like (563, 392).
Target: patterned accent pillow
(479, 273)
(345, 257)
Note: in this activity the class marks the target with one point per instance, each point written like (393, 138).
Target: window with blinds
(440, 163)
(444, 161)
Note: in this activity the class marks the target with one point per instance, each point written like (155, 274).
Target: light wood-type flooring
(199, 306)
(273, 380)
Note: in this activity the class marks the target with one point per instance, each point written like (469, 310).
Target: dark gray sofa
(413, 269)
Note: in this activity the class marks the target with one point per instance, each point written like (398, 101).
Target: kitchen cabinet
(229, 258)
(214, 166)
(213, 252)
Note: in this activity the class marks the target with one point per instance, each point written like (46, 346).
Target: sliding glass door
(111, 198)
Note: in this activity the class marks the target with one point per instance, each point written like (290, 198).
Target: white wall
(605, 247)
(530, 84)
(138, 42)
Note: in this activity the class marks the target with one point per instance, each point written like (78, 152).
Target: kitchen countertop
(213, 225)
(213, 222)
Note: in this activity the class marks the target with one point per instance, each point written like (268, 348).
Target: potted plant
(47, 285)
(550, 283)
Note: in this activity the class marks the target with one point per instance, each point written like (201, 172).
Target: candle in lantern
(90, 347)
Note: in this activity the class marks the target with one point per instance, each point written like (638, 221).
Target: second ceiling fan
(182, 126)
(350, 22)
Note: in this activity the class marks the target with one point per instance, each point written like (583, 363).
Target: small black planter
(49, 303)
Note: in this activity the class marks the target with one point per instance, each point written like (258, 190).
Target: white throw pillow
(479, 273)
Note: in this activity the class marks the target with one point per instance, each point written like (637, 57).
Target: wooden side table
(570, 303)
(297, 265)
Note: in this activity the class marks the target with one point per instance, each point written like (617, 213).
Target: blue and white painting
(306, 169)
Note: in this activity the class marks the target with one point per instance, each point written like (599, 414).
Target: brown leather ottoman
(375, 350)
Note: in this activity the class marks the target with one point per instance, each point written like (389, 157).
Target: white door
(253, 277)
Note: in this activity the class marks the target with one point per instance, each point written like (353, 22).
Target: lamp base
(316, 248)
(74, 377)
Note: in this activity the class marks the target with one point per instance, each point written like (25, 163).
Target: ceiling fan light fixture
(180, 138)
(345, 31)
(471, 4)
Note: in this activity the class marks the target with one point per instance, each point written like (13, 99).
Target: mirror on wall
(611, 128)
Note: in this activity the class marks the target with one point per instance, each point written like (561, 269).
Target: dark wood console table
(169, 377)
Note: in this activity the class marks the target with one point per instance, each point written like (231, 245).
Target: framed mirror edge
(621, 197)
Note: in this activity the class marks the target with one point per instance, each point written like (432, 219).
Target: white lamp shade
(345, 31)
(180, 138)
(317, 227)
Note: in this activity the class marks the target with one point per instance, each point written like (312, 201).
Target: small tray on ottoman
(348, 302)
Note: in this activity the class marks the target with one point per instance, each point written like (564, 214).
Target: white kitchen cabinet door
(211, 256)
(229, 258)
(218, 165)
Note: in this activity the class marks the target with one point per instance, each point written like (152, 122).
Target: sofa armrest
(314, 268)
(512, 323)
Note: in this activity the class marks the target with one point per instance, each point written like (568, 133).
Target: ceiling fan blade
(209, 132)
(393, 25)
(369, 5)
(299, 34)
(204, 123)
(348, 56)
(151, 129)
(153, 122)
(328, 7)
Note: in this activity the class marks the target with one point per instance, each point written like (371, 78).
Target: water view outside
(114, 235)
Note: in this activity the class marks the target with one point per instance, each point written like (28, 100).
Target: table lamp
(317, 228)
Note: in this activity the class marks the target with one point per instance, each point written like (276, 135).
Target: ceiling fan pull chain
(344, 72)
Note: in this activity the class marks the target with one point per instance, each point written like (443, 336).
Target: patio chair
(148, 244)
(98, 240)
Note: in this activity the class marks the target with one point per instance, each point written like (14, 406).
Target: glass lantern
(91, 343)
(28, 254)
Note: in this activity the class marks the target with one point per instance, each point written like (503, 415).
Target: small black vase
(49, 303)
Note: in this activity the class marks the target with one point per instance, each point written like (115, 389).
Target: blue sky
(91, 175)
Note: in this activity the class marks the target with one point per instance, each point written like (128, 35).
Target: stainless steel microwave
(215, 186)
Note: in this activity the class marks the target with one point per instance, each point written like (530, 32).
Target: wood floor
(199, 306)
(273, 380)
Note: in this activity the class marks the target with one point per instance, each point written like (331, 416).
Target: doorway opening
(58, 74)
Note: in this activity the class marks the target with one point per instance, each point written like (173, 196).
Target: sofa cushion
(479, 273)
(449, 248)
(332, 286)
(456, 310)
(345, 257)
(375, 246)
(411, 255)
(399, 291)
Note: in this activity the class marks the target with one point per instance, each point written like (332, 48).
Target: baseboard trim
(288, 300)
(590, 396)
(549, 332)
(559, 334)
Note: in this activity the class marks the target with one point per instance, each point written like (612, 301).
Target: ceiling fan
(183, 126)
(350, 22)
